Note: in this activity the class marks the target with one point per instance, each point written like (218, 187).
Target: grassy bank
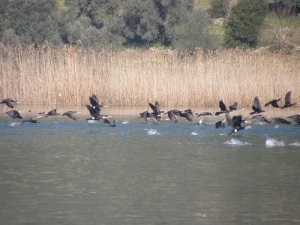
(68, 76)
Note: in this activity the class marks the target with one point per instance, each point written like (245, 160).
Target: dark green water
(61, 171)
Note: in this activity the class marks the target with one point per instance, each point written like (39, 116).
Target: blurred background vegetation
(175, 24)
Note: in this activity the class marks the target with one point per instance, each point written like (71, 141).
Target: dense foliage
(244, 23)
(105, 23)
(285, 8)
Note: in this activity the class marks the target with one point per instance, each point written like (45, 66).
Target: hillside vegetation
(131, 52)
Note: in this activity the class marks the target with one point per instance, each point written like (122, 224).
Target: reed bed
(67, 76)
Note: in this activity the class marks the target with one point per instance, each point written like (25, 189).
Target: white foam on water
(152, 132)
(271, 142)
(125, 122)
(194, 133)
(15, 124)
(295, 143)
(236, 142)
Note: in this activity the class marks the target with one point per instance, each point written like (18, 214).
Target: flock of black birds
(235, 122)
(156, 115)
(94, 112)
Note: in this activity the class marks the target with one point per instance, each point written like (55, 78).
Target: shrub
(244, 23)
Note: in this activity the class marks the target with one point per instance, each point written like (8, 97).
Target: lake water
(61, 171)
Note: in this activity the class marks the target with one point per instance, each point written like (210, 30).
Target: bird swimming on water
(14, 114)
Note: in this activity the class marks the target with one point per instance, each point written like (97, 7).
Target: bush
(244, 23)
(217, 9)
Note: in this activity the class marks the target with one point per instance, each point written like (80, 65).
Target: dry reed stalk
(68, 76)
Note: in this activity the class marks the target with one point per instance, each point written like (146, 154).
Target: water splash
(236, 142)
(194, 133)
(91, 121)
(295, 143)
(271, 142)
(15, 124)
(125, 122)
(152, 132)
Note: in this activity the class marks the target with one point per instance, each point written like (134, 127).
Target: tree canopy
(244, 23)
(105, 23)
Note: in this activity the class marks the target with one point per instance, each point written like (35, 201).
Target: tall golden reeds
(68, 76)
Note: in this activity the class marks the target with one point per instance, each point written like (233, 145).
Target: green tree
(31, 21)
(244, 23)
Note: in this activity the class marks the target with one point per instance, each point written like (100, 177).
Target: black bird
(113, 124)
(280, 120)
(295, 118)
(261, 118)
(220, 124)
(287, 100)
(156, 114)
(274, 103)
(222, 107)
(94, 112)
(256, 107)
(95, 101)
(234, 106)
(52, 113)
(32, 120)
(172, 115)
(14, 114)
(205, 114)
(155, 118)
(145, 115)
(70, 114)
(190, 112)
(235, 122)
(104, 120)
(8, 102)
(155, 108)
(188, 115)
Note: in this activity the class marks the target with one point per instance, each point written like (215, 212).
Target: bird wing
(229, 120)
(94, 100)
(257, 103)
(222, 106)
(70, 114)
(287, 98)
(154, 108)
(172, 116)
(237, 120)
(233, 106)
(95, 112)
(157, 106)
